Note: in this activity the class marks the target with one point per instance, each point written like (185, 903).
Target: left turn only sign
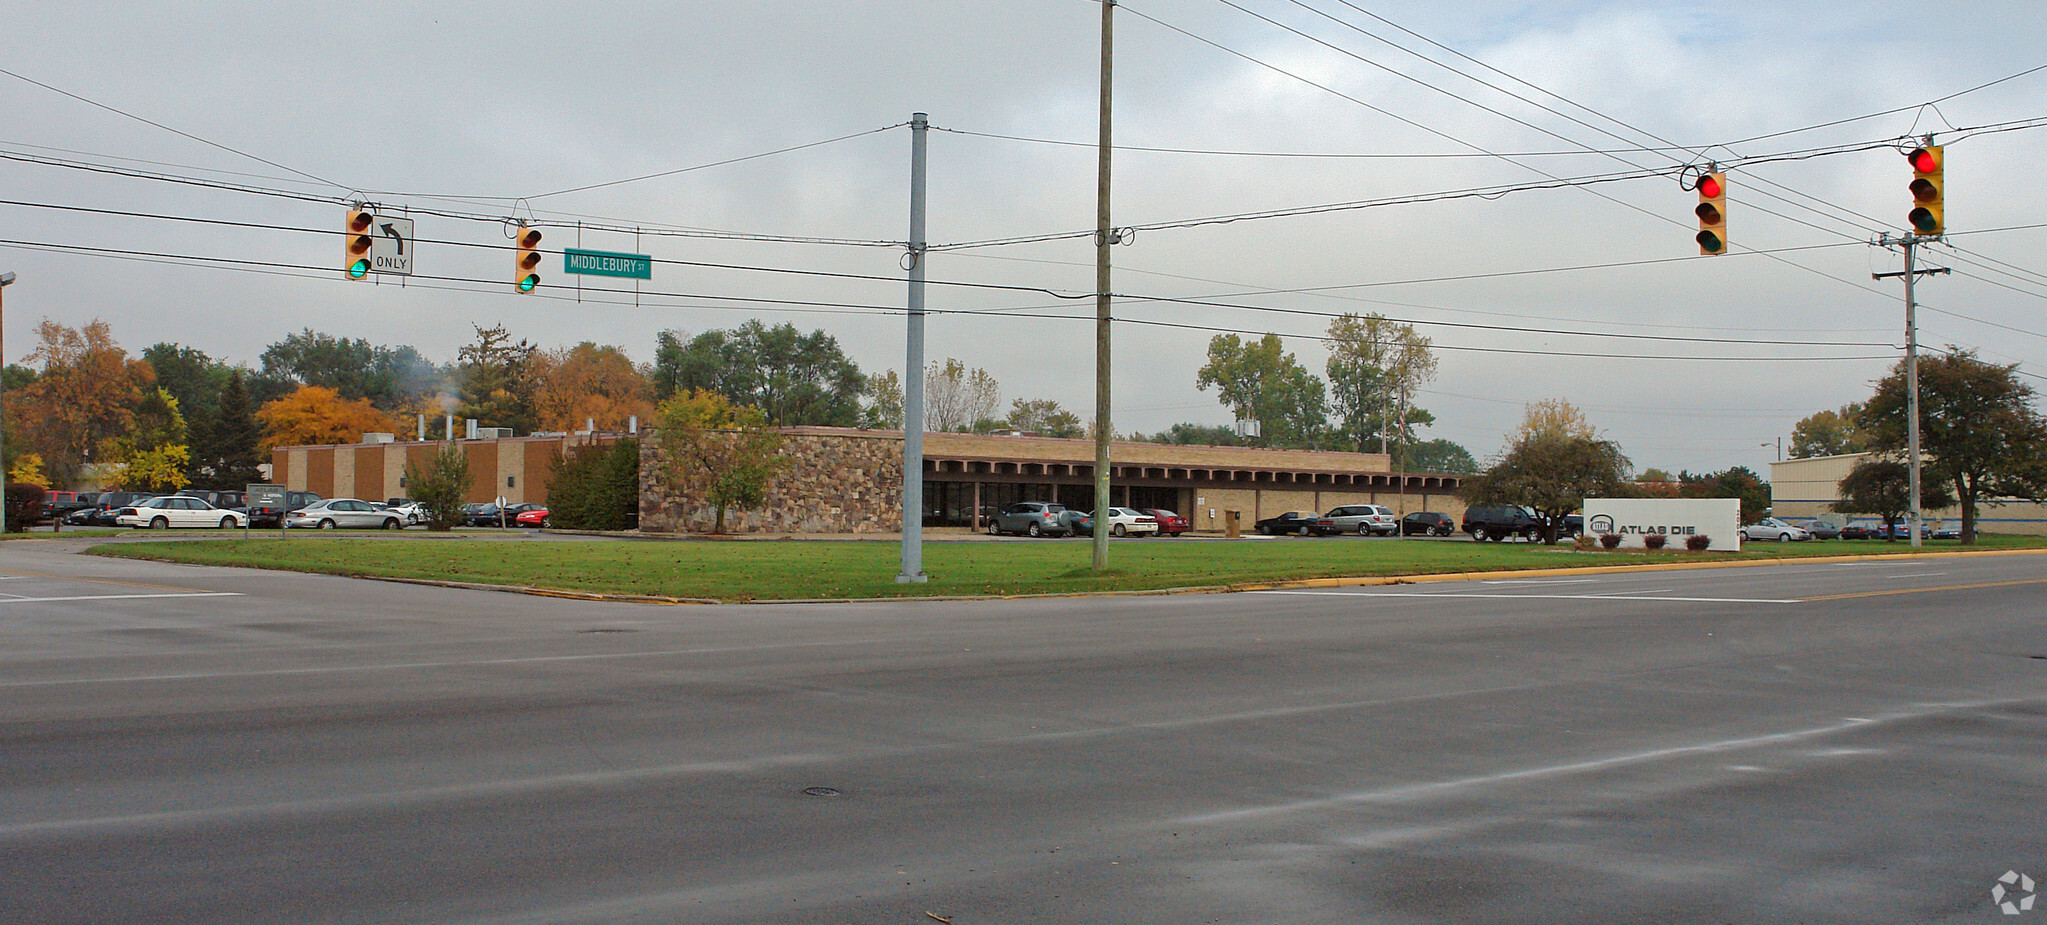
(391, 245)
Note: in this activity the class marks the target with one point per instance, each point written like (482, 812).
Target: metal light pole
(1910, 243)
(913, 370)
(6, 280)
(1105, 237)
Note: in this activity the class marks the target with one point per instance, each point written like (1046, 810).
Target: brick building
(843, 480)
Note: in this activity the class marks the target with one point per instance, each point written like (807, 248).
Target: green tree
(227, 449)
(1736, 482)
(1829, 433)
(1977, 427)
(1552, 474)
(440, 486)
(1375, 366)
(192, 377)
(1044, 416)
(497, 380)
(794, 378)
(884, 408)
(1883, 487)
(155, 454)
(956, 397)
(1260, 381)
(1440, 455)
(718, 453)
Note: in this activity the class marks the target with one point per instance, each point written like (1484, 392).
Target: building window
(511, 481)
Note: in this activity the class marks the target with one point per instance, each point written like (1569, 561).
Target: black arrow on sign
(392, 231)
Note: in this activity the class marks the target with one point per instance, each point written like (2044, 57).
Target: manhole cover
(820, 791)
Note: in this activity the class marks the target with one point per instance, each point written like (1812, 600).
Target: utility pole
(6, 280)
(1105, 237)
(913, 370)
(1910, 243)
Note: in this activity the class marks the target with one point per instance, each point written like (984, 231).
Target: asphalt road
(1857, 742)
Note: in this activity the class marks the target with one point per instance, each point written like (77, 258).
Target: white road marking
(1539, 581)
(116, 597)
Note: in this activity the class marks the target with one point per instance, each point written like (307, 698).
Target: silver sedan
(345, 512)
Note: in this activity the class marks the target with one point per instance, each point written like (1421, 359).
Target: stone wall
(848, 482)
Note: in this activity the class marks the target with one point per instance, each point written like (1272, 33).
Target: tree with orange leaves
(315, 415)
(84, 396)
(589, 383)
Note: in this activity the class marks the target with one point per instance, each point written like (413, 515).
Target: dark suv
(1496, 522)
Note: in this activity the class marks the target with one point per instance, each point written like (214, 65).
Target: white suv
(1361, 519)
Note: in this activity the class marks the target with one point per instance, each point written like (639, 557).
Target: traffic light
(355, 259)
(526, 259)
(1712, 212)
(1928, 189)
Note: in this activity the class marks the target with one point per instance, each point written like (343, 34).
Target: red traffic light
(1710, 186)
(1924, 160)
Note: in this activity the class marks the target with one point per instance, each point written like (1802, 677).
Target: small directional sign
(391, 245)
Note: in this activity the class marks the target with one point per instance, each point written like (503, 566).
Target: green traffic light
(359, 269)
(1710, 242)
(1924, 221)
(528, 282)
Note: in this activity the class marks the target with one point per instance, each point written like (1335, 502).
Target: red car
(535, 517)
(1170, 524)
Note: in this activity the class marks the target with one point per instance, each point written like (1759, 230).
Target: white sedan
(1770, 528)
(178, 511)
(1122, 521)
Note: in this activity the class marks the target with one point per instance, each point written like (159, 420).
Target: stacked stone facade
(836, 482)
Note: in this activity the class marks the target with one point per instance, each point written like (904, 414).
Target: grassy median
(809, 570)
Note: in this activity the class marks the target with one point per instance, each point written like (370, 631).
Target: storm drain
(820, 791)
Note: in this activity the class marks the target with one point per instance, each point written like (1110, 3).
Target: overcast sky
(490, 110)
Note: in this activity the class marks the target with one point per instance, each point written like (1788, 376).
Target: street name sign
(605, 263)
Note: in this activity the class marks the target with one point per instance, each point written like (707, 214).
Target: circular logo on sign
(1600, 523)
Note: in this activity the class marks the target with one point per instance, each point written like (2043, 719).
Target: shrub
(1610, 540)
(24, 505)
(1698, 542)
(596, 487)
(1653, 540)
(1585, 542)
(441, 488)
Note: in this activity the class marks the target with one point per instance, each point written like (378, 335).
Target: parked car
(1123, 521)
(167, 511)
(1862, 529)
(60, 504)
(1427, 523)
(489, 514)
(1170, 524)
(273, 516)
(1496, 522)
(1301, 522)
(1081, 523)
(533, 516)
(1945, 531)
(1034, 518)
(408, 508)
(1361, 519)
(230, 500)
(1574, 525)
(1770, 528)
(1825, 528)
(333, 513)
(106, 509)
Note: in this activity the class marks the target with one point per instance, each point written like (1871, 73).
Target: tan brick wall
(1804, 489)
(834, 483)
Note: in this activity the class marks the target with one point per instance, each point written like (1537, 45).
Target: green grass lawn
(798, 569)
